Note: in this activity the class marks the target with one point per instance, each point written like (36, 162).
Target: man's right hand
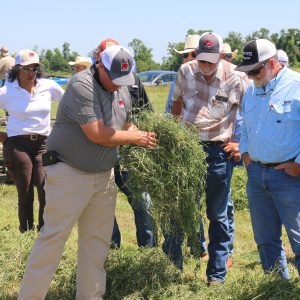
(146, 139)
(232, 148)
(98, 133)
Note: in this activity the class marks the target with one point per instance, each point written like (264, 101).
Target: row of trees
(287, 40)
(56, 61)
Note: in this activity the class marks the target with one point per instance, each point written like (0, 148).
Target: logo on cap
(31, 54)
(125, 67)
(247, 55)
(208, 43)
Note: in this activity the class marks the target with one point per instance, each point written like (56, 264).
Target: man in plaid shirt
(208, 94)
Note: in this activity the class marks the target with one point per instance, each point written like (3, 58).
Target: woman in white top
(27, 99)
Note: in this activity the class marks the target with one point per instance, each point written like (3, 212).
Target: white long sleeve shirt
(29, 114)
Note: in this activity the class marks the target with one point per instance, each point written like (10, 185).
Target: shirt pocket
(286, 116)
(218, 107)
(279, 117)
(191, 99)
(294, 110)
(282, 112)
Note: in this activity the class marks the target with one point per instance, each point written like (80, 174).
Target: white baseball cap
(27, 57)
(283, 58)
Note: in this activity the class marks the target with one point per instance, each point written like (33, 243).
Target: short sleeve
(81, 103)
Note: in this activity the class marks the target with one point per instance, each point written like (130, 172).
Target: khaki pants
(73, 196)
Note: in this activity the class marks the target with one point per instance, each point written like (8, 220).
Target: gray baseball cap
(118, 62)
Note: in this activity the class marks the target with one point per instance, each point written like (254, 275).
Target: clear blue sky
(83, 24)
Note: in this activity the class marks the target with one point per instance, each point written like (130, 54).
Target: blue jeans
(217, 191)
(274, 200)
(230, 214)
(201, 240)
(174, 240)
(143, 221)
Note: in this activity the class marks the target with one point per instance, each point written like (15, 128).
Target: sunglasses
(29, 70)
(227, 55)
(192, 54)
(256, 71)
(264, 94)
(204, 61)
(79, 67)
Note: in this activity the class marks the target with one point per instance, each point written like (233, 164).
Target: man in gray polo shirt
(92, 121)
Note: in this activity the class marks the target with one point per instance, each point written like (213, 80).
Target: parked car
(157, 77)
(61, 80)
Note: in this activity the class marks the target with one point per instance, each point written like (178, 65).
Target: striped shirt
(86, 101)
(212, 107)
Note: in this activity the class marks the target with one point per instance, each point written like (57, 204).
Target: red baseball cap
(106, 43)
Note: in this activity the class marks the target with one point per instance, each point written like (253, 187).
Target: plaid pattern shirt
(211, 107)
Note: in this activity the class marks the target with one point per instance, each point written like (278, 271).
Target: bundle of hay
(173, 173)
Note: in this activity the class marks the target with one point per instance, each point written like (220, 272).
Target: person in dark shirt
(143, 221)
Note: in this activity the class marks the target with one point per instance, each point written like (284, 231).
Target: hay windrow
(173, 173)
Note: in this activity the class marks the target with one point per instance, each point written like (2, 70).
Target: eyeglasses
(256, 71)
(192, 54)
(80, 67)
(29, 70)
(227, 55)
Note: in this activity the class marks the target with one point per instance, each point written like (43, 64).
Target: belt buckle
(34, 137)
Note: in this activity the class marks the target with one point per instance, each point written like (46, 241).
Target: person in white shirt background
(81, 63)
(283, 58)
(27, 99)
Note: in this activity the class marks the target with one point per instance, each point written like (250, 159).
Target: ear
(272, 63)
(100, 65)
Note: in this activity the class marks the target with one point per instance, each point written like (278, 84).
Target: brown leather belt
(273, 165)
(33, 137)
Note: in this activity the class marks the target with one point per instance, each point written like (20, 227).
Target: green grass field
(146, 273)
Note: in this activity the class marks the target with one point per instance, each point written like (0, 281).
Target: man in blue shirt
(270, 147)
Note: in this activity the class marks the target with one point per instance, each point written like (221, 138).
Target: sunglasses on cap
(256, 71)
(29, 70)
(227, 55)
(192, 54)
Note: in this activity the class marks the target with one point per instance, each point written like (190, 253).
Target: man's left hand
(290, 168)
